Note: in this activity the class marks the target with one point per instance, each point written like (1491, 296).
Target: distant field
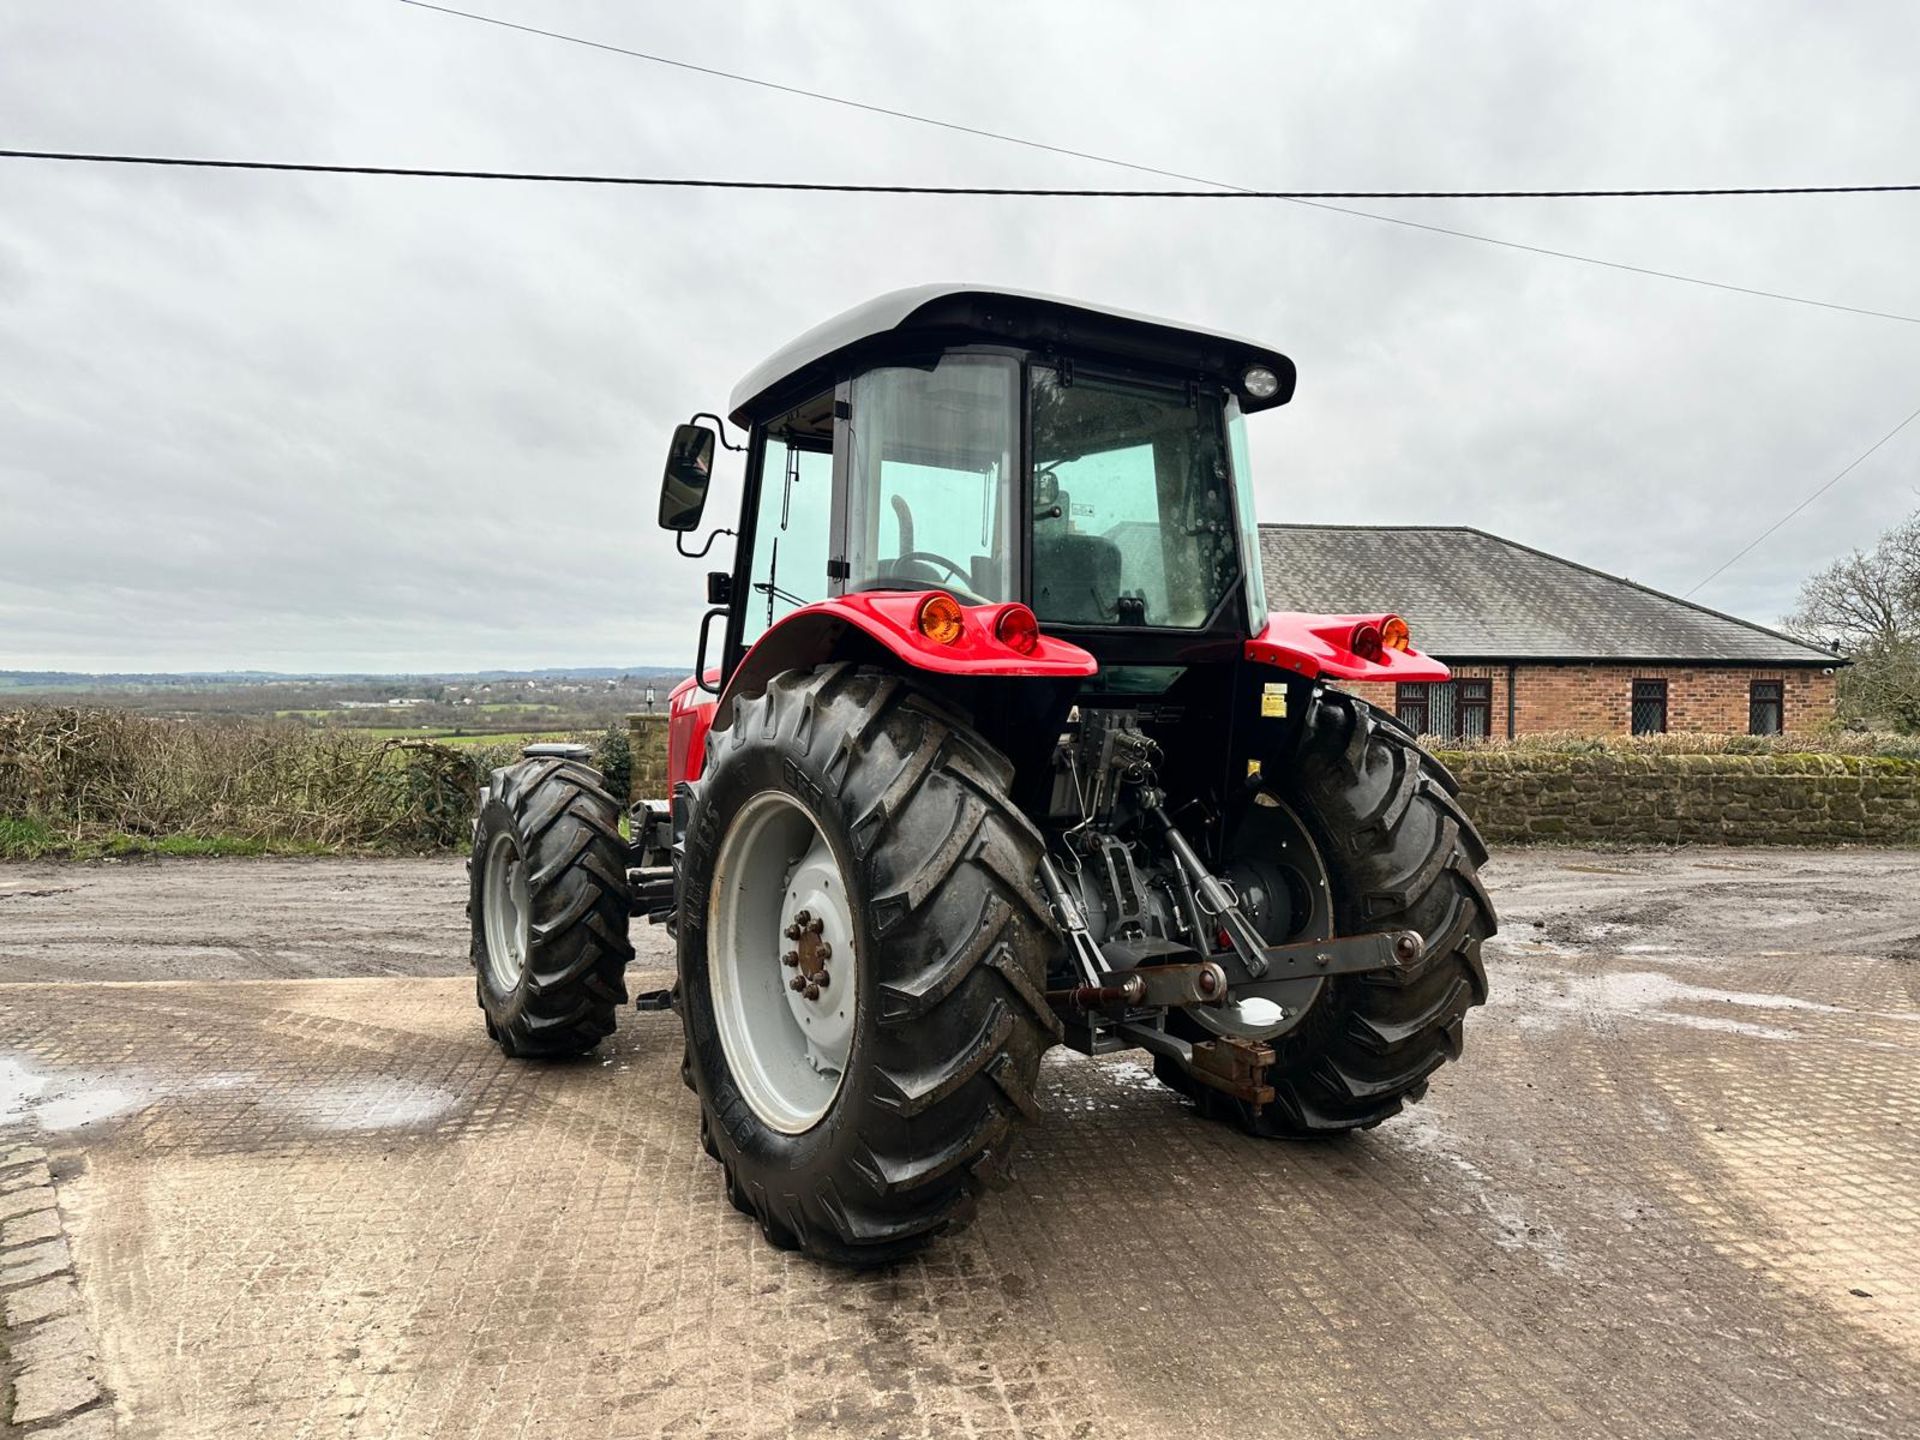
(442, 736)
(589, 702)
(518, 738)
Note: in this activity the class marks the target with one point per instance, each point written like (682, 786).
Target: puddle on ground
(18, 1087)
(62, 1103)
(1547, 1002)
(25, 1095)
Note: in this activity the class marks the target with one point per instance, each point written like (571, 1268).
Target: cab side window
(792, 518)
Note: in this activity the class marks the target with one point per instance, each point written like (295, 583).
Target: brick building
(1538, 643)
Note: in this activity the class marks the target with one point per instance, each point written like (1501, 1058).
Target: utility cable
(1754, 543)
(567, 177)
(1296, 199)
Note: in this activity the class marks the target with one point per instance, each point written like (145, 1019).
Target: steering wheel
(961, 583)
(933, 557)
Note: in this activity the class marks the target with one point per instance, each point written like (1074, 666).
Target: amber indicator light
(941, 619)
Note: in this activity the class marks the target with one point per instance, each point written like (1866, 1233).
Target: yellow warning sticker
(1273, 702)
(1253, 768)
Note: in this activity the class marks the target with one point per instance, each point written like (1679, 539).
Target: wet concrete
(1673, 1189)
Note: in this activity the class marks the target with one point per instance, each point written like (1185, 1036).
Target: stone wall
(1707, 799)
(647, 735)
(1627, 799)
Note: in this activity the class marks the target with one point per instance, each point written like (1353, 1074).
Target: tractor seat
(1076, 578)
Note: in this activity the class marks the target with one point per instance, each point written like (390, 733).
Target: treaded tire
(1400, 854)
(953, 940)
(566, 828)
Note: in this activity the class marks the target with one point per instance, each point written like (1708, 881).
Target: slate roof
(1468, 595)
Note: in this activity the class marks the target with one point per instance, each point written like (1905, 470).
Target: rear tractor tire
(1398, 853)
(548, 901)
(862, 956)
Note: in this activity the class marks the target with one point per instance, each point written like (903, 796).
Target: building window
(1410, 703)
(1649, 707)
(1475, 710)
(1451, 709)
(1766, 708)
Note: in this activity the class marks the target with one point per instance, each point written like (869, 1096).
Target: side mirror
(683, 488)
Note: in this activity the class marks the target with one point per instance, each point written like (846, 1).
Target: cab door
(787, 539)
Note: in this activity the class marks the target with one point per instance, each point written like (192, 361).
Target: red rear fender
(854, 625)
(1322, 645)
(880, 625)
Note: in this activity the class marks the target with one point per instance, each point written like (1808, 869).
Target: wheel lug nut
(824, 951)
(791, 958)
(813, 992)
(821, 979)
(814, 924)
(794, 932)
(799, 982)
(804, 918)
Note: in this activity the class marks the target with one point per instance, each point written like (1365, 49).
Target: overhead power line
(565, 177)
(692, 183)
(1031, 144)
(1755, 542)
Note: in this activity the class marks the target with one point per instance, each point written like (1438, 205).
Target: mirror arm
(721, 427)
(680, 544)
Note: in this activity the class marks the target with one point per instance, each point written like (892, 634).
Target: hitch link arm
(1086, 953)
(1216, 897)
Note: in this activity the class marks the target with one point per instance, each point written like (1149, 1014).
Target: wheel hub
(809, 956)
(818, 925)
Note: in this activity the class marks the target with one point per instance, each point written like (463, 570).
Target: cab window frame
(734, 648)
(1234, 609)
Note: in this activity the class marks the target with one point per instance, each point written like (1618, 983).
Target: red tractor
(992, 745)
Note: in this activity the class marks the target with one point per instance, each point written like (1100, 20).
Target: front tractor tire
(1399, 854)
(548, 901)
(862, 955)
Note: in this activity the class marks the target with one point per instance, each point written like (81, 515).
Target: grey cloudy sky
(350, 423)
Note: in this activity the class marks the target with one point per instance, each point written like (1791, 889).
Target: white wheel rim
(507, 909)
(779, 912)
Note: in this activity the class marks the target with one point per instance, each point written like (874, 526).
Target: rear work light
(1394, 633)
(1366, 642)
(940, 619)
(1018, 630)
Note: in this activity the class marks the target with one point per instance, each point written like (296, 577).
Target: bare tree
(1868, 604)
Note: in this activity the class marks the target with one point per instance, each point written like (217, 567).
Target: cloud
(313, 423)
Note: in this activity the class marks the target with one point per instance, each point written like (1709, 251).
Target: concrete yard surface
(261, 1174)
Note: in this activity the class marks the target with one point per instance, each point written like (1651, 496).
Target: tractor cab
(1004, 448)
